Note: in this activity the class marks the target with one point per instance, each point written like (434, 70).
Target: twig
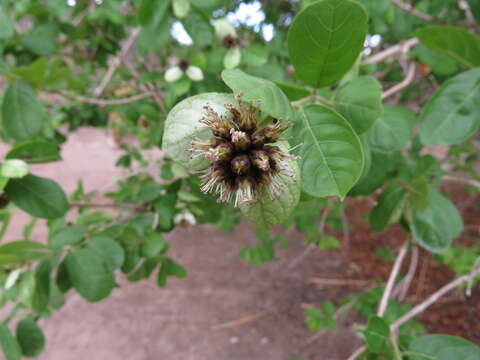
(116, 61)
(357, 352)
(433, 298)
(460, 180)
(338, 282)
(239, 322)
(391, 280)
(391, 51)
(346, 230)
(407, 81)
(468, 292)
(410, 9)
(109, 101)
(405, 284)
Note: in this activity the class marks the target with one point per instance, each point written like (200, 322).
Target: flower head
(174, 73)
(244, 159)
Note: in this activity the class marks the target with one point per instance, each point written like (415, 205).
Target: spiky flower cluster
(242, 161)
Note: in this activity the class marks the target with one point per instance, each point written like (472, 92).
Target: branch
(405, 284)
(116, 61)
(410, 9)
(407, 81)
(109, 101)
(391, 51)
(391, 280)
(464, 181)
(433, 298)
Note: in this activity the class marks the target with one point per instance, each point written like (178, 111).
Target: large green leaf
(325, 40)
(438, 225)
(331, 155)
(459, 43)
(41, 293)
(392, 130)
(109, 250)
(89, 275)
(67, 236)
(37, 196)
(7, 27)
(272, 100)
(37, 151)
(183, 126)
(267, 212)
(443, 347)
(198, 28)
(9, 344)
(30, 337)
(452, 114)
(18, 252)
(360, 102)
(22, 113)
(389, 207)
(42, 40)
(151, 10)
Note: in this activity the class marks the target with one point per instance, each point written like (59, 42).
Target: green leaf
(67, 236)
(360, 102)
(181, 7)
(89, 275)
(153, 245)
(438, 347)
(18, 252)
(110, 251)
(11, 348)
(389, 207)
(155, 36)
(42, 40)
(183, 126)
(331, 156)
(255, 55)
(170, 268)
(150, 10)
(22, 112)
(7, 26)
(293, 92)
(37, 196)
(165, 207)
(392, 130)
(457, 42)
(452, 114)
(267, 212)
(30, 337)
(325, 40)
(37, 151)
(376, 334)
(440, 64)
(41, 294)
(438, 225)
(272, 100)
(198, 28)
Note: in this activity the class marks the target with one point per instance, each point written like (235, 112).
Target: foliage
(340, 123)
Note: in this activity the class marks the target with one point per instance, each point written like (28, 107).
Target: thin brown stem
(105, 102)
(410, 9)
(400, 86)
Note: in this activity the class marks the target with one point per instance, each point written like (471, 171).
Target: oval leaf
(438, 225)
(9, 344)
(267, 212)
(439, 346)
(272, 100)
(331, 156)
(37, 151)
(17, 252)
(360, 102)
(183, 125)
(22, 113)
(109, 250)
(459, 43)
(389, 207)
(89, 275)
(38, 196)
(452, 114)
(325, 40)
(30, 337)
(392, 130)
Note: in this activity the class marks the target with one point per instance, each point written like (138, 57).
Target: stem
(109, 101)
(405, 82)
(410, 9)
(391, 280)
(396, 350)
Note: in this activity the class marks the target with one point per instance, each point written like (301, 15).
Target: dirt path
(142, 322)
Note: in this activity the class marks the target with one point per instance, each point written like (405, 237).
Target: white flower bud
(185, 219)
(194, 73)
(232, 58)
(181, 8)
(173, 74)
(224, 28)
(14, 168)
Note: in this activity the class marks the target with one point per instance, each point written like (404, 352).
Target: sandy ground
(225, 310)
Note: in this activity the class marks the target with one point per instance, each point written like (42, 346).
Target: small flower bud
(232, 58)
(14, 168)
(194, 73)
(240, 140)
(260, 160)
(240, 164)
(224, 28)
(173, 74)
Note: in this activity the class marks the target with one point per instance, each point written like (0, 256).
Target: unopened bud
(260, 160)
(240, 140)
(240, 164)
